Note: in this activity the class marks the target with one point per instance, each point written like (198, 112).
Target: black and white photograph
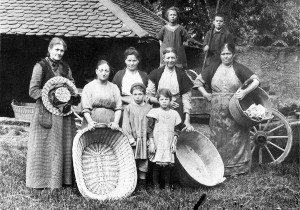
(150, 104)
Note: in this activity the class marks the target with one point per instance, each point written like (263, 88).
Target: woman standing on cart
(101, 100)
(218, 83)
(49, 156)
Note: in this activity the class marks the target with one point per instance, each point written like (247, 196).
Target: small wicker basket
(23, 111)
(104, 164)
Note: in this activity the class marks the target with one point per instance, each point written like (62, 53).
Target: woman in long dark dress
(223, 80)
(49, 156)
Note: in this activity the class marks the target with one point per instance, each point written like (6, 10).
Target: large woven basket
(198, 161)
(104, 164)
(23, 111)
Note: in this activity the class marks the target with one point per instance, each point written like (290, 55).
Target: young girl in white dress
(162, 133)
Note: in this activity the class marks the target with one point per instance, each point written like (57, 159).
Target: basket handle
(101, 125)
(104, 125)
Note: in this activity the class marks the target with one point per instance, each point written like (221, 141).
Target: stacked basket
(104, 164)
(23, 111)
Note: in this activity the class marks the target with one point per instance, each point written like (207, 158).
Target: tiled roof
(78, 18)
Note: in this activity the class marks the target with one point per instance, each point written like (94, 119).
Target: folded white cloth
(256, 112)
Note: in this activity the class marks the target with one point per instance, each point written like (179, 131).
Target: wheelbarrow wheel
(271, 140)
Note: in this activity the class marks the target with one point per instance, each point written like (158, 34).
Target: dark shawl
(185, 84)
(241, 71)
(118, 78)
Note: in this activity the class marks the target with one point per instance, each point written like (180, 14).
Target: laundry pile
(256, 112)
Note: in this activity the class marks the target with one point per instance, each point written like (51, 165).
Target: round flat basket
(198, 161)
(45, 92)
(104, 164)
(237, 107)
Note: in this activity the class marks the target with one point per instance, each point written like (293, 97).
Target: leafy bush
(253, 22)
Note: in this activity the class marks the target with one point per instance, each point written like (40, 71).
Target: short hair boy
(219, 37)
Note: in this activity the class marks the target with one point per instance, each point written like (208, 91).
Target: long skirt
(49, 155)
(231, 140)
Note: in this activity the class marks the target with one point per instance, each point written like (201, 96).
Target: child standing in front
(162, 133)
(173, 35)
(219, 38)
(134, 126)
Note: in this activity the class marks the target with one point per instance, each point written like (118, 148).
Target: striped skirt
(49, 155)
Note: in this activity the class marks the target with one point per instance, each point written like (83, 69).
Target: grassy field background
(265, 187)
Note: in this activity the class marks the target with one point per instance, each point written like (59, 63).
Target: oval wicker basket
(104, 164)
(198, 161)
(23, 111)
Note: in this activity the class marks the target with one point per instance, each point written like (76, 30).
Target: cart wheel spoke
(274, 129)
(255, 129)
(252, 133)
(259, 126)
(260, 155)
(277, 137)
(253, 148)
(278, 147)
(267, 124)
(273, 159)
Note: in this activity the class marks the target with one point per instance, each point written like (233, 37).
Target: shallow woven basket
(198, 161)
(104, 164)
(23, 111)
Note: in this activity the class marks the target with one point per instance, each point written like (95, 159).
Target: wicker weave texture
(104, 164)
(23, 111)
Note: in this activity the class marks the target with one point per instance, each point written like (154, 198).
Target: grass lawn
(265, 187)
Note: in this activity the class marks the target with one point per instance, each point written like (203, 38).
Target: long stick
(210, 36)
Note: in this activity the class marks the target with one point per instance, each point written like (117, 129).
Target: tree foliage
(253, 22)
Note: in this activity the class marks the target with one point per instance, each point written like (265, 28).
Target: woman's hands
(240, 94)
(174, 105)
(92, 125)
(188, 126)
(207, 96)
(132, 142)
(114, 126)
